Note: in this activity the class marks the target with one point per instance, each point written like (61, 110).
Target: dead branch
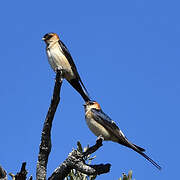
(20, 175)
(3, 174)
(45, 145)
(75, 160)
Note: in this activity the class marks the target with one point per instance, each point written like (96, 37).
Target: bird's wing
(106, 122)
(68, 56)
(71, 62)
(110, 125)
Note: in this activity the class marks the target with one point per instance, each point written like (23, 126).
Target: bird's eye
(47, 36)
(91, 102)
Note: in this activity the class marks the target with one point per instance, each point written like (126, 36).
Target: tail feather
(83, 92)
(139, 150)
(150, 160)
(86, 92)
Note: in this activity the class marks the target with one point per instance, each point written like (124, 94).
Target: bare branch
(75, 160)
(94, 148)
(30, 178)
(20, 175)
(101, 168)
(3, 174)
(45, 145)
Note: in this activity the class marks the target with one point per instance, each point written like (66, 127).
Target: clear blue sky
(127, 54)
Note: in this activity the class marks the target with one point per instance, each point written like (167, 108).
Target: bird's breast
(57, 59)
(96, 127)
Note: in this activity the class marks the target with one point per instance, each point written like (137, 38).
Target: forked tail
(150, 160)
(124, 141)
(83, 92)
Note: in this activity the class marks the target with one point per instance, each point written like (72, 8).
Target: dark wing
(71, 62)
(68, 56)
(110, 125)
(106, 122)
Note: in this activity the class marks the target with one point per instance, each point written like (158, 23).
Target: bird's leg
(99, 139)
(95, 147)
(61, 71)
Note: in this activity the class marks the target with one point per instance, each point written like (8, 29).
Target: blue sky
(127, 54)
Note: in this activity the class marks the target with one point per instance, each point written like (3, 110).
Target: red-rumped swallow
(101, 125)
(60, 58)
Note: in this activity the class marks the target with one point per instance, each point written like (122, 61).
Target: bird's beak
(43, 39)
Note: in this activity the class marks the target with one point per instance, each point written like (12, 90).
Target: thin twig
(45, 145)
(75, 160)
(3, 174)
(20, 175)
(94, 148)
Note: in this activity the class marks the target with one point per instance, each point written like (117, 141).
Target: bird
(60, 58)
(102, 126)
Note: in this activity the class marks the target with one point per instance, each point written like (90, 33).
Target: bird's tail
(84, 88)
(140, 151)
(149, 159)
(139, 148)
(83, 92)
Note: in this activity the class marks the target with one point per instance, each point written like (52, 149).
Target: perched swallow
(60, 58)
(101, 125)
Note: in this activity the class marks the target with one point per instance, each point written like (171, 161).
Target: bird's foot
(60, 70)
(99, 139)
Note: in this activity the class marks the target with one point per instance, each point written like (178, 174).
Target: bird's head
(91, 104)
(50, 37)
